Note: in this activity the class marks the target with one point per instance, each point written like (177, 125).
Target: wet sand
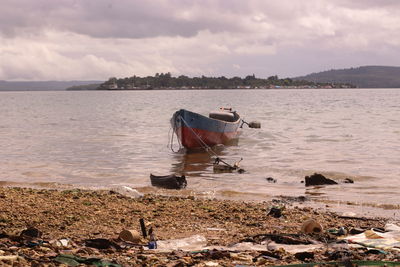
(78, 215)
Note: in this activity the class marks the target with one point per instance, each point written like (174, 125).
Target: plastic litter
(63, 243)
(195, 242)
(375, 239)
(127, 191)
(71, 260)
(152, 245)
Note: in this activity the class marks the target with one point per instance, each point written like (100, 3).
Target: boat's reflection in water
(196, 163)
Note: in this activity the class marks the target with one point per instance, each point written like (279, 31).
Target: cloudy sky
(98, 39)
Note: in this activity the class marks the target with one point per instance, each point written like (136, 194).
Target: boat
(198, 131)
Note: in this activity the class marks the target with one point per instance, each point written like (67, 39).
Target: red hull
(191, 140)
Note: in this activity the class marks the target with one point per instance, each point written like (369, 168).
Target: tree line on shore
(166, 80)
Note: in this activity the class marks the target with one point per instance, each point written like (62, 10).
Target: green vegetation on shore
(167, 81)
(362, 77)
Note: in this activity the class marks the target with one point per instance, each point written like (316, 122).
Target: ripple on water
(99, 139)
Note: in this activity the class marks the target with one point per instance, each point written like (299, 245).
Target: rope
(207, 148)
(171, 141)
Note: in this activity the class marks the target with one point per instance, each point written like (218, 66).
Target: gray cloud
(116, 19)
(95, 39)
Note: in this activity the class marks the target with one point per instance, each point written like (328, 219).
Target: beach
(39, 225)
(67, 155)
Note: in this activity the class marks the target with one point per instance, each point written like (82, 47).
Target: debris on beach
(126, 191)
(168, 181)
(130, 236)
(311, 226)
(96, 227)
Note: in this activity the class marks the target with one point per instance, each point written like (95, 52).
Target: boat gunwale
(212, 119)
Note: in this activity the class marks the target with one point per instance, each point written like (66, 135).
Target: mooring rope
(206, 147)
(171, 141)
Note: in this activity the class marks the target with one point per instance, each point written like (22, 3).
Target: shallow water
(105, 138)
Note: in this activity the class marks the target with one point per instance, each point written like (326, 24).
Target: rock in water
(348, 181)
(318, 179)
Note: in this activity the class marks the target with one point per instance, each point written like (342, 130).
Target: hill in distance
(44, 85)
(362, 77)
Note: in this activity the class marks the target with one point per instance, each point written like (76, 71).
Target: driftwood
(169, 181)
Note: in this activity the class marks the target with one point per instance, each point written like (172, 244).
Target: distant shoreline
(187, 89)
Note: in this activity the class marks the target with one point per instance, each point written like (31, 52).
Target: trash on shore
(71, 260)
(143, 227)
(126, 191)
(61, 243)
(168, 181)
(231, 232)
(318, 179)
(377, 239)
(191, 243)
(130, 236)
(311, 227)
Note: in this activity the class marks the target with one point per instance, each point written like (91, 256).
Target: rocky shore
(70, 227)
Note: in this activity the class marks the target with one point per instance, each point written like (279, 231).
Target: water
(106, 138)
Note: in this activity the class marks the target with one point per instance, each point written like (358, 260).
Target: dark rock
(217, 254)
(348, 181)
(302, 198)
(356, 231)
(339, 254)
(101, 243)
(270, 180)
(304, 255)
(318, 179)
(31, 232)
(275, 212)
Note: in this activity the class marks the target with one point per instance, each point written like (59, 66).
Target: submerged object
(198, 131)
(226, 167)
(168, 181)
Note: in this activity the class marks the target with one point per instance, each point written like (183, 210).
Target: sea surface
(103, 139)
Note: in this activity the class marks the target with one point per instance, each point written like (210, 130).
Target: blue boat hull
(198, 131)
